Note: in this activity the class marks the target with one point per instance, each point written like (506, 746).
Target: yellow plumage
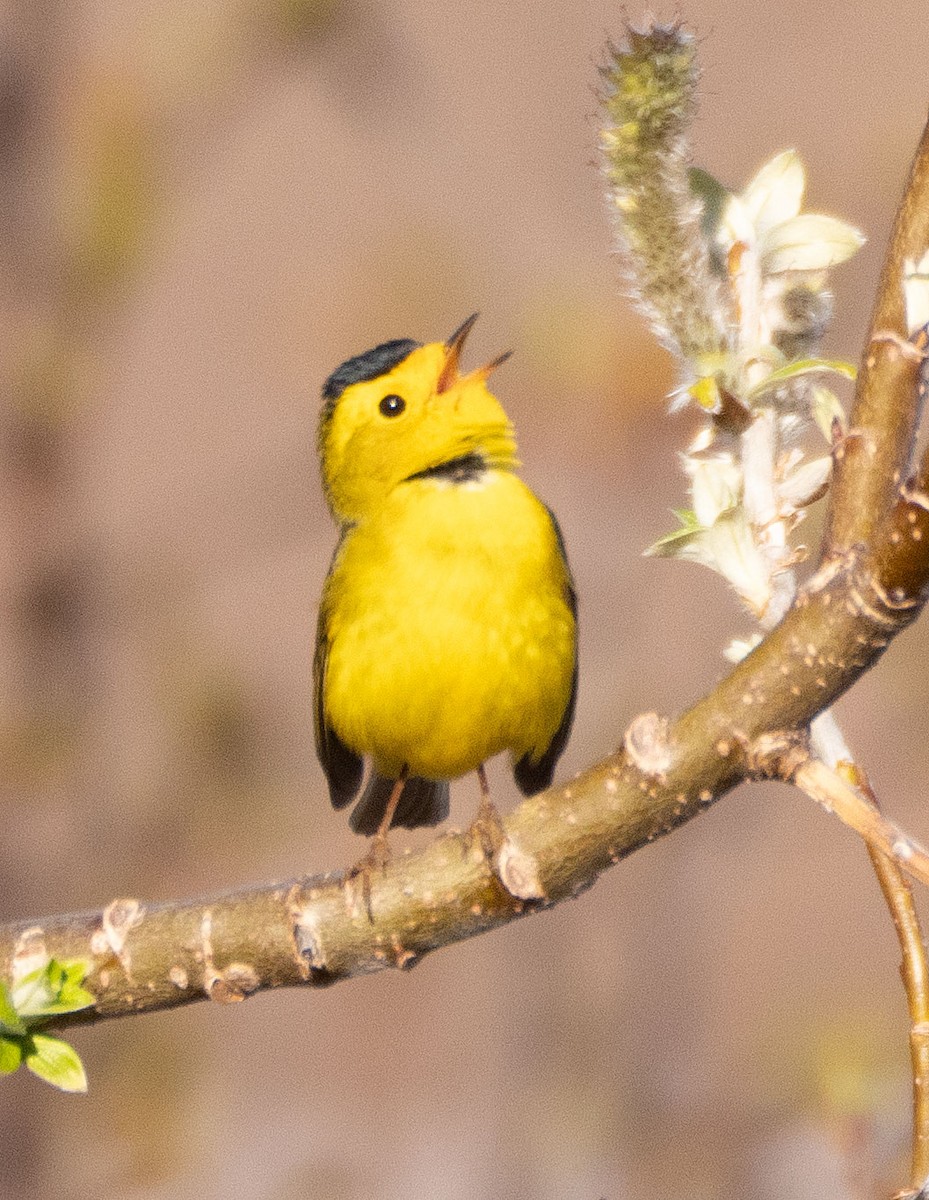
(447, 630)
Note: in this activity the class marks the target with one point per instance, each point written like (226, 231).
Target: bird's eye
(392, 406)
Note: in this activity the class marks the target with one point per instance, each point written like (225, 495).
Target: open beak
(453, 347)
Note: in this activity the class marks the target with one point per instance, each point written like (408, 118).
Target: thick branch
(886, 408)
(317, 930)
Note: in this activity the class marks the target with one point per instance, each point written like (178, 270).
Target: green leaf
(71, 995)
(56, 1062)
(10, 1020)
(802, 366)
(71, 1000)
(826, 410)
(11, 1055)
(75, 970)
(665, 545)
(53, 989)
(34, 991)
(714, 197)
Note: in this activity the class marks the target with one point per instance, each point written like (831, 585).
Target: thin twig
(915, 973)
(828, 743)
(824, 785)
(914, 969)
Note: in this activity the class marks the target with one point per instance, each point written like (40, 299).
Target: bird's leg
(380, 850)
(378, 855)
(487, 826)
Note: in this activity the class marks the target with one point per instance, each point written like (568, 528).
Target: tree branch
(842, 781)
(914, 970)
(828, 788)
(887, 407)
(316, 930)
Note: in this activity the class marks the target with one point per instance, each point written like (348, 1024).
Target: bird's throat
(466, 468)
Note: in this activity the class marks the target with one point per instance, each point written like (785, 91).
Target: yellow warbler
(447, 628)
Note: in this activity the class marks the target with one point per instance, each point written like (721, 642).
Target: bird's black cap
(367, 366)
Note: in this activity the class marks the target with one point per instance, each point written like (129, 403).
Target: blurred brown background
(204, 209)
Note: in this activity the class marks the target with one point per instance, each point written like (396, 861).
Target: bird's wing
(343, 766)
(534, 775)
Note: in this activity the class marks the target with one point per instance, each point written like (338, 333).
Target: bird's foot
(487, 830)
(376, 859)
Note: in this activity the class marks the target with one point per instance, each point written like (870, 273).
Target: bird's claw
(377, 858)
(487, 829)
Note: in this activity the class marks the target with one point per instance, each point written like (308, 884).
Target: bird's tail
(422, 802)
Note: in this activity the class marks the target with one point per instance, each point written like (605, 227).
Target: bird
(447, 630)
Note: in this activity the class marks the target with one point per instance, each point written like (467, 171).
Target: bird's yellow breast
(449, 626)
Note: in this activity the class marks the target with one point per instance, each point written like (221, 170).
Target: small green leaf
(11, 1055)
(714, 197)
(53, 989)
(56, 1062)
(71, 1000)
(826, 410)
(10, 1020)
(802, 366)
(75, 970)
(72, 996)
(664, 546)
(668, 543)
(34, 991)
